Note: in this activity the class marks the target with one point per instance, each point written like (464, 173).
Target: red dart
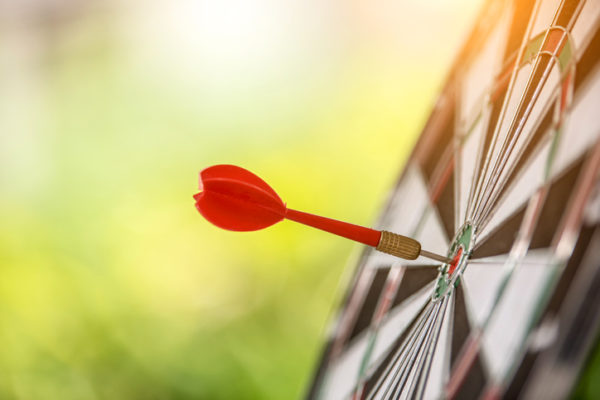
(235, 199)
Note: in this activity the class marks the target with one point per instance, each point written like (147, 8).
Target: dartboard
(505, 181)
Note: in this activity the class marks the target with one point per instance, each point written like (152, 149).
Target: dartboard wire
(430, 342)
(484, 261)
(441, 173)
(564, 241)
(502, 196)
(512, 137)
(561, 104)
(425, 370)
(500, 80)
(484, 178)
(406, 366)
(414, 320)
(553, 135)
(487, 159)
(503, 80)
(411, 347)
(505, 153)
(392, 283)
(347, 319)
(348, 316)
(483, 195)
(518, 250)
(485, 114)
(473, 344)
(464, 361)
(469, 351)
(418, 326)
(419, 369)
(380, 312)
(563, 245)
(408, 354)
(489, 193)
(457, 176)
(471, 348)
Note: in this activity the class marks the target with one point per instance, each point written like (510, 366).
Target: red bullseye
(455, 261)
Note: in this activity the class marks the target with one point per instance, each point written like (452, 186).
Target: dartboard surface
(504, 180)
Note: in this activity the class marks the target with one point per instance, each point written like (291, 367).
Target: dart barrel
(399, 246)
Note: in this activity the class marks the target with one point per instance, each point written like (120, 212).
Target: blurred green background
(111, 284)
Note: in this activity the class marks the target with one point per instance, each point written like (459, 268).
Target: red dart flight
(235, 199)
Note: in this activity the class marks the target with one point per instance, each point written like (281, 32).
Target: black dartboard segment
(505, 178)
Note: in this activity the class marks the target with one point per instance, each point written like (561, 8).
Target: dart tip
(436, 257)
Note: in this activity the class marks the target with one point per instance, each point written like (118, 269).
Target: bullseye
(458, 253)
(455, 260)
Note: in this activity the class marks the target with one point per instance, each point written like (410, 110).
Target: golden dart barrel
(399, 246)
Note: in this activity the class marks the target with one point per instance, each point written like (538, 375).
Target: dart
(235, 199)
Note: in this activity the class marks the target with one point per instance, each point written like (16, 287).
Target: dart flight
(235, 199)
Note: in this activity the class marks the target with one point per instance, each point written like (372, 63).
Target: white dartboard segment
(505, 332)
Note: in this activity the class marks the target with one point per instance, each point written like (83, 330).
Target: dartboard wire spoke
(519, 249)
(486, 261)
(560, 99)
(563, 246)
(393, 282)
(390, 367)
(498, 198)
(442, 172)
(485, 116)
(394, 278)
(488, 156)
(473, 345)
(425, 355)
(484, 197)
(553, 136)
(349, 315)
(407, 353)
(432, 349)
(500, 80)
(513, 137)
(416, 328)
(406, 366)
(439, 176)
(484, 177)
(566, 237)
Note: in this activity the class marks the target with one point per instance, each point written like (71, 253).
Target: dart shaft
(436, 257)
(357, 233)
(384, 241)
